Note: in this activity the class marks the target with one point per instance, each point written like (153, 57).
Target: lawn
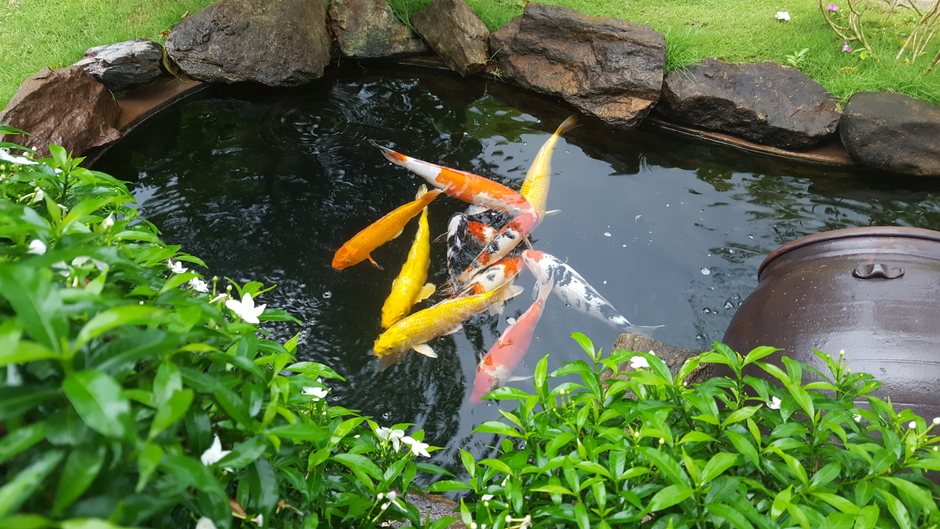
(37, 33)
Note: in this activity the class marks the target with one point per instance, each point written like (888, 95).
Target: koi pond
(266, 184)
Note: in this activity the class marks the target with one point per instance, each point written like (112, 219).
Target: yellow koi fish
(409, 288)
(539, 177)
(447, 317)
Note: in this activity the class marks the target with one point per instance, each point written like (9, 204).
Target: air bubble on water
(730, 250)
(327, 295)
(607, 234)
(624, 245)
(605, 281)
(707, 310)
(729, 305)
(667, 205)
(750, 237)
(709, 255)
(387, 416)
(567, 151)
(706, 271)
(511, 321)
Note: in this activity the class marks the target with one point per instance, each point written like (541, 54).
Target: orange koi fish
(462, 185)
(503, 242)
(409, 287)
(447, 317)
(360, 247)
(539, 177)
(496, 367)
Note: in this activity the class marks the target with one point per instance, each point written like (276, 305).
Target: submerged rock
(892, 132)
(763, 102)
(66, 107)
(606, 67)
(283, 43)
(673, 357)
(125, 64)
(456, 34)
(368, 28)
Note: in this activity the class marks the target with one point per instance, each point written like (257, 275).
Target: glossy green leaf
(147, 462)
(36, 303)
(744, 445)
(300, 432)
(171, 411)
(918, 493)
(825, 475)
(233, 404)
(867, 517)
(26, 521)
(584, 342)
(265, 491)
(245, 453)
(716, 465)
(669, 496)
(447, 485)
(696, 436)
(500, 466)
(360, 465)
(166, 382)
(81, 469)
(667, 465)
(781, 502)
(22, 485)
(730, 515)
(497, 428)
(115, 317)
(837, 501)
(97, 399)
(21, 439)
(758, 353)
(740, 415)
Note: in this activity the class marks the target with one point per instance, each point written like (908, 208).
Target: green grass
(56, 33)
(37, 33)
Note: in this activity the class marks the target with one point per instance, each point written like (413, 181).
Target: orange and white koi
(492, 277)
(496, 367)
(360, 247)
(447, 317)
(514, 232)
(539, 177)
(462, 185)
(576, 292)
(409, 287)
(465, 239)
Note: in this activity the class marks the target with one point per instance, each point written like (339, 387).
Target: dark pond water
(266, 184)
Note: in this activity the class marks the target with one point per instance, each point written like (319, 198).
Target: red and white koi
(575, 291)
(496, 367)
(514, 232)
(462, 185)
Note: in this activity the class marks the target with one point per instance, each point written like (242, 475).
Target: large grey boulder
(124, 64)
(66, 107)
(892, 132)
(283, 43)
(456, 34)
(762, 102)
(606, 67)
(368, 28)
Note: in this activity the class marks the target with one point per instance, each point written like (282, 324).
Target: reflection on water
(266, 184)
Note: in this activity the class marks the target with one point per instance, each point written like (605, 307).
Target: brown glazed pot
(873, 292)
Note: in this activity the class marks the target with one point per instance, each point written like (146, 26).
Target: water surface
(266, 184)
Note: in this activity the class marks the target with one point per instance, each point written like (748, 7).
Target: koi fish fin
(514, 378)
(426, 350)
(388, 361)
(568, 124)
(452, 331)
(496, 308)
(475, 210)
(421, 191)
(377, 265)
(644, 329)
(551, 212)
(514, 291)
(425, 292)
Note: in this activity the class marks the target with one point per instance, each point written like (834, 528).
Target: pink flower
(846, 47)
(832, 7)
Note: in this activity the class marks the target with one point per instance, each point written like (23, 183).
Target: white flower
(37, 247)
(259, 520)
(526, 522)
(205, 523)
(315, 392)
(395, 436)
(936, 420)
(392, 495)
(638, 362)
(221, 297)
(176, 267)
(214, 453)
(108, 222)
(21, 160)
(774, 403)
(912, 425)
(199, 285)
(40, 194)
(417, 447)
(857, 418)
(246, 309)
(486, 497)
(783, 15)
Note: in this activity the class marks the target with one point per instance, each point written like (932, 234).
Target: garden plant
(138, 392)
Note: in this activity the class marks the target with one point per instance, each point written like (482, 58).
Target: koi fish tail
(503, 242)
(568, 124)
(388, 361)
(425, 170)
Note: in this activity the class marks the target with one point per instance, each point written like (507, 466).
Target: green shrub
(732, 452)
(132, 395)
